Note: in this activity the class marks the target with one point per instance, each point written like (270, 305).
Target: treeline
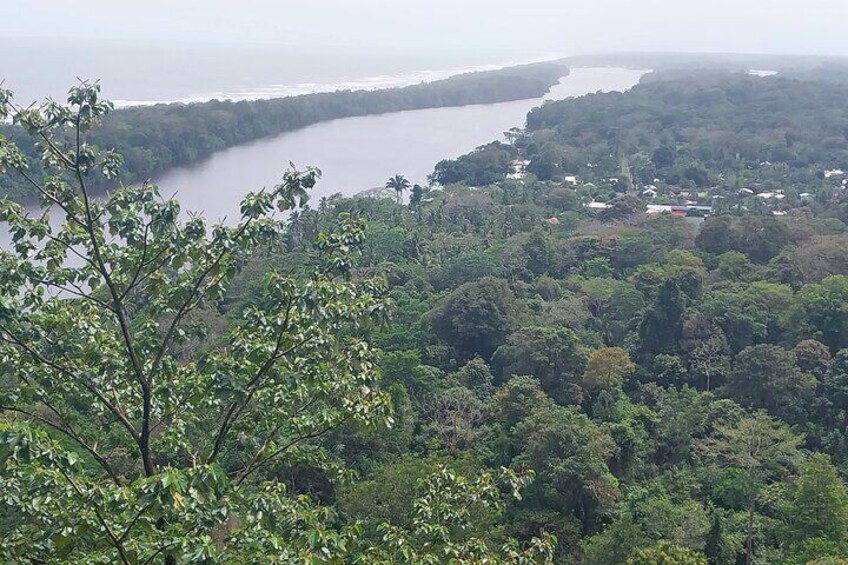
(697, 128)
(156, 138)
(704, 61)
(699, 131)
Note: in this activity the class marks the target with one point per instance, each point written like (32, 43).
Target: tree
(386, 493)
(607, 367)
(512, 135)
(416, 198)
(568, 453)
(668, 370)
(553, 355)
(755, 313)
(538, 250)
(812, 357)
(163, 384)
(819, 502)
(760, 238)
(615, 307)
(710, 359)
(836, 383)
(761, 448)
(661, 327)
(766, 376)
(444, 512)
(733, 266)
(476, 376)
(664, 156)
(614, 544)
(821, 311)
(715, 235)
(398, 183)
(123, 441)
(455, 418)
(621, 208)
(666, 553)
(829, 560)
(476, 317)
(517, 399)
(405, 367)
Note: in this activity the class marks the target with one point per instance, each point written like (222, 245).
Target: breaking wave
(377, 82)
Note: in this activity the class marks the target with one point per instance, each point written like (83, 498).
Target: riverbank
(359, 153)
(158, 138)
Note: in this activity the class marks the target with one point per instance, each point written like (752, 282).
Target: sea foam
(377, 82)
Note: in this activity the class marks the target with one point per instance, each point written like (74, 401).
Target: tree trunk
(749, 542)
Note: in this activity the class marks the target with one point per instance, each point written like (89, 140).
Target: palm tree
(398, 183)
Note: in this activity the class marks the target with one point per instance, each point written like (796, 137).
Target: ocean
(133, 73)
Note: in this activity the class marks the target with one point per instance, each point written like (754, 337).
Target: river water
(356, 154)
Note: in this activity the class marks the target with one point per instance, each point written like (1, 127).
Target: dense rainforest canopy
(653, 388)
(713, 131)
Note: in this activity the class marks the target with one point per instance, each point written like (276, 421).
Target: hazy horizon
(443, 26)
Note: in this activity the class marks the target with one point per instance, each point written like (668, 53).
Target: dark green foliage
(477, 317)
(766, 376)
(569, 453)
(822, 312)
(662, 325)
(487, 165)
(553, 355)
(760, 238)
(621, 208)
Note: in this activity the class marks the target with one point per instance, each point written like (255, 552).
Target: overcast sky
(559, 26)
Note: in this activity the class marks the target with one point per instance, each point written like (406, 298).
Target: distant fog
(494, 27)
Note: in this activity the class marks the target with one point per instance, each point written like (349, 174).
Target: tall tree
(661, 328)
(476, 317)
(710, 360)
(398, 183)
(554, 355)
(154, 448)
(821, 311)
(761, 448)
